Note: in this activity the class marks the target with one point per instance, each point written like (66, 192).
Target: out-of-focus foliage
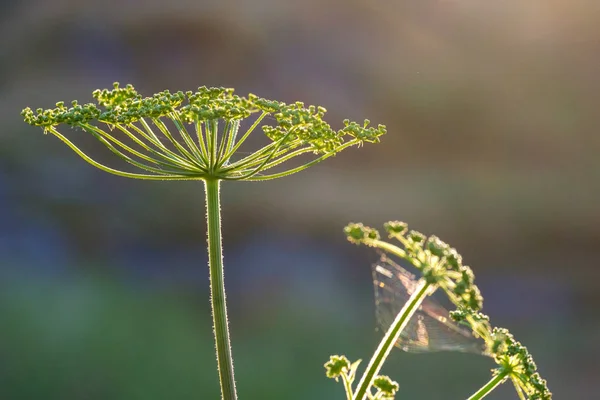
(492, 144)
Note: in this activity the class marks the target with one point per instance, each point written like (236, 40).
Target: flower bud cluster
(513, 359)
(386, 387)
(124, 105)
(208, 153)
(310, 129)
(75, 115)
(360, 234)
(336, 366)
(439, 263)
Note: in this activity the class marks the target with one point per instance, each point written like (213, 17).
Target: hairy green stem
(391, 337)
(217, 290)
(488, 387)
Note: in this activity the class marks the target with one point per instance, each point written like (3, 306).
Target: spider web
(430, 329)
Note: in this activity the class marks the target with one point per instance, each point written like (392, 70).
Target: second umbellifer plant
(441, 268)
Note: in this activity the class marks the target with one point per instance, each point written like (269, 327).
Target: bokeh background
(492, 144)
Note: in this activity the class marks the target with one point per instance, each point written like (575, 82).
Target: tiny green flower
(339, 367)
(515, 362)
(360, 234)
(386, 386)
(416, 237)
(336, 366)
(396, 228)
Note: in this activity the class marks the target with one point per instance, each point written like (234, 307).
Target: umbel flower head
(440, 264)
(195, 135)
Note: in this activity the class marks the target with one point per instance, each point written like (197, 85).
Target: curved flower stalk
(441, 268)
(196, 136)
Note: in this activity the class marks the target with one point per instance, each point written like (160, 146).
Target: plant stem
(488, 387)
(390, 339)
(347, 387)
(217, 290)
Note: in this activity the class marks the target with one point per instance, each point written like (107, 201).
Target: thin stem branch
(391, 337)
(150, 132)
(255, 158)
(169, 160)
(388, 247)
(223, 141)
(231, 137)
(279, 144)
(149, 135)
(245, 136)
(276, 161)
(187, 138)
(201, 143)
(106, 139)
(115, 171)
(217, 290)
(211, 128)
(253, 178)
(519, 390)
(281, 155)
(347, 387)
(488, 387)
(182, 150)
(133, 162)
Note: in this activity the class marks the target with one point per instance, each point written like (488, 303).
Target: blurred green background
(492, 144)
